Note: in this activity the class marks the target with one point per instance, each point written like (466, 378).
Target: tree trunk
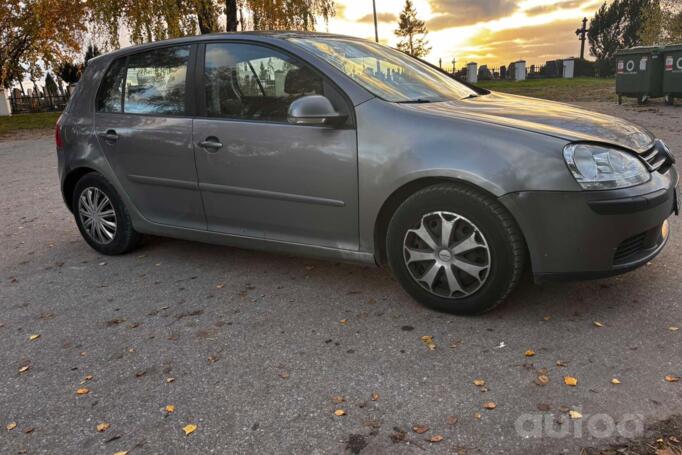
(206, 17)
(231, 13)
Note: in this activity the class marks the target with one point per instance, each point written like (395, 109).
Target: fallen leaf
(419, 429)
(82, 391)
(122, 452)
(479, 382)
(560, 363)
(189, 429)
(339, 413)
(170, 408)
(169, 380)
(343, 321)
(542, 379)
(529, 353)
(673, 328)
(11, 426)
(33, 337)
(477, 415)
(570, 381)
(547, 318)
(575, 415)
(428, 341)
(24, 369)
(436, 438)
(284, 375)
(615, 381)
(671, 378)
(29, 430)
(375, 396)
(452, 420)
(220, 286)
(598, 324)
(489, 405)
(338, 399)
(102, 427)
(88, 378)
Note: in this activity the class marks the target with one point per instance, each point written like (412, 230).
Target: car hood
(546, 117)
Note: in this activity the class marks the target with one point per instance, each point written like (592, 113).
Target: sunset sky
(492, 32)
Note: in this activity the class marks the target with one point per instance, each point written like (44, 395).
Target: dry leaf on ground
(170, 408)
(489, 405)
(570, 381)
(339, 413)
(189, 429)
(338, 399)
(479, 382)
(598, 324)
(82, 391)
(575, 415)
(24, 369)
(375, 396)
(419, 429)
(615, 381)
(436, 438)
(672, 378)
(102, 427)
(428, 341)
(529, 353)
(11, 426)
(34, 337)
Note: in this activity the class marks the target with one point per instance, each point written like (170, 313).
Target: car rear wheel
(455, 249)
(101, 216)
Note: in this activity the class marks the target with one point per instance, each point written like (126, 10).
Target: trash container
(672, 74)
(639, 73)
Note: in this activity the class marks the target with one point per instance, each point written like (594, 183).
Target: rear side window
(110, 96)
(155, 82)
(149, 83)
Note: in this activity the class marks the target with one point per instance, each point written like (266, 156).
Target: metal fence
(29, 104)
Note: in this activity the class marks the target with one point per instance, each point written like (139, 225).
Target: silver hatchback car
(339, 148)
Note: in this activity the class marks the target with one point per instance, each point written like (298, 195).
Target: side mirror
(314, 110)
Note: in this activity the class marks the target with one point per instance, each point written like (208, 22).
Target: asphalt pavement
(261, 351)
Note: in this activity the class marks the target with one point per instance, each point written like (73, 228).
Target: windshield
(387, 73)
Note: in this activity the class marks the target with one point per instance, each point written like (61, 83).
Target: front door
(143, 126)
(261, 176)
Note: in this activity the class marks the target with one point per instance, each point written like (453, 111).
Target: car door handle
(211, 144)
(110, 136)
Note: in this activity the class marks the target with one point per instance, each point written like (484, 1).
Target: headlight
(602, 168)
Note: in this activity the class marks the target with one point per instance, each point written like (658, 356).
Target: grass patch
(19, 122)
(565, 90)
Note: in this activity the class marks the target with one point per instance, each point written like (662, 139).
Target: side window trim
(200, 81)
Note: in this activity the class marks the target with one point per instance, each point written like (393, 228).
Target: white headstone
(472, 73)
(5, 107)
(569, 68)
(520, 70)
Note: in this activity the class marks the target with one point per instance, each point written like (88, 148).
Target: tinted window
(110, 94)
(253, 82)
(155, 82)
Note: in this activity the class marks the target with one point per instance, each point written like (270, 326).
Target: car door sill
(254, 243)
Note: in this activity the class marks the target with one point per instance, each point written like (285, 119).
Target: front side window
(250, 82)
(155, 82)
(385, 72)
(110, 95)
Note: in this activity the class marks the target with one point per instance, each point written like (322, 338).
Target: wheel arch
(396, 198)
(70, 181)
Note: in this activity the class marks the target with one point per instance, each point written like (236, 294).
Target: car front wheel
(102, 217)
(455, 249)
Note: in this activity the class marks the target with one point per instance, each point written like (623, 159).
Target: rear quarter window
(110, 95)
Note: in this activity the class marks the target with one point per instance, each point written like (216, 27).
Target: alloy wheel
(97, 215)
(447, 255)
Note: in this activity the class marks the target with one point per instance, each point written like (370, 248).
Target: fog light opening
(665, 229)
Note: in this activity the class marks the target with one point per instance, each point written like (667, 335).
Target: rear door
(143, 125)
(259, 175)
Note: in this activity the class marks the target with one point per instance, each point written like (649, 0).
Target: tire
(119, 239)
(498, 249)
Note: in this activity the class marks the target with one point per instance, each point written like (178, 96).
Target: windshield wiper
(415, 101)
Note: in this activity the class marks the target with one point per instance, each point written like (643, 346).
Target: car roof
(256, 36)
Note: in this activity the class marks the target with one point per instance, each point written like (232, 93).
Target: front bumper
(593, 234)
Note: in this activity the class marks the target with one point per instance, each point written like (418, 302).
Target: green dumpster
(639, 73)
(672, 74)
